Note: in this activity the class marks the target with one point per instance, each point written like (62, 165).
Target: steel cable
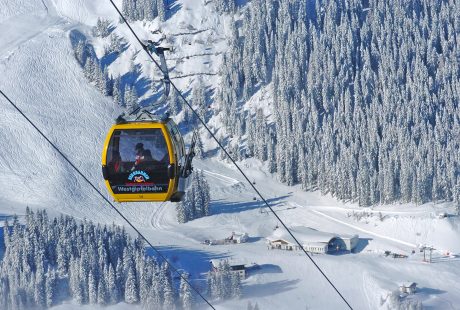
(231, 159)
(104, 198)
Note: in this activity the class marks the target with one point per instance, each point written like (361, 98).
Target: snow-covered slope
(39, 73)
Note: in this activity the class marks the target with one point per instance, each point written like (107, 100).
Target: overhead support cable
(145, 47)
(105, 199)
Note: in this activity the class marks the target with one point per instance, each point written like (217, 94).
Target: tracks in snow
(221, 177)
(157, 217)
(364, 230)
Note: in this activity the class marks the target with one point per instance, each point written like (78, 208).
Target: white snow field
(39, 72)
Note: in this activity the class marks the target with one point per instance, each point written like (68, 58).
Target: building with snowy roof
(312, 240)
(236, 266)
(238, 237)
(408, 287)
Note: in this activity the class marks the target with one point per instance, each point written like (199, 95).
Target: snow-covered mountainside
(40, 73)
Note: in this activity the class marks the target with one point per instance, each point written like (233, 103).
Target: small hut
(408, 287)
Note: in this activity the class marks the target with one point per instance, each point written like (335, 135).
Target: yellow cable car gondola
(144, 155)
(144, 160)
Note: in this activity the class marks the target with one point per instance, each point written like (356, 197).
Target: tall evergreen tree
(131, 289)
(186, 294)
(50, 288)
(40, 282)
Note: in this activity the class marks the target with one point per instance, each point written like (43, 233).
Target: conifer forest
(365, 96)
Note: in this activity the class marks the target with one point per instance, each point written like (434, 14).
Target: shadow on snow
(172, 7)
(362, 244)
(430, 291)
(269, 289)
(220, 207)
(265, 268)
(195, 262)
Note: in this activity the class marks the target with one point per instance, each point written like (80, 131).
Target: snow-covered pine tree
(116, 44)
(168, 290)
(102, 28)
(131, 289)
(40, 282)
(62, 257)
(127, 97)
(84, 270)
(108, 79)
(89, 69)
(102, 293)
(126, 10)
(196, 196)
(145, 282)
(143, 9)
(161, 10)
(181, 212)
(80, 52)
(236, 285)
(158, 290)
(199, 100)
(188, 207)
(6, 233)
(153, 301)
(117, 91)
(205, 193)
(190, 118)
(174, 102)
(186, 294)
(112, 288)
(120, 279)
(456, 193)
(134, 97)
(225, 280)
(260, 147)
(225, 6)
(150, 9)
(199, 148)
(92, 288)
(4, 289)
(214, 285)
(196, 201)
(50, 287)
(75, 282)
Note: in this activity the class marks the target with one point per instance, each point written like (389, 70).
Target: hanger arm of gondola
(153, 48)
(187, 169)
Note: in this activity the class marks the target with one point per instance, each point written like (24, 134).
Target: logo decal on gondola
(138, 176)
(139, 179)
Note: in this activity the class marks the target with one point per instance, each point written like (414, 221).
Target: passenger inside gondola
(139, 157)
(132, 153)
(116, 164)
(143, 157)
(148, 155)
